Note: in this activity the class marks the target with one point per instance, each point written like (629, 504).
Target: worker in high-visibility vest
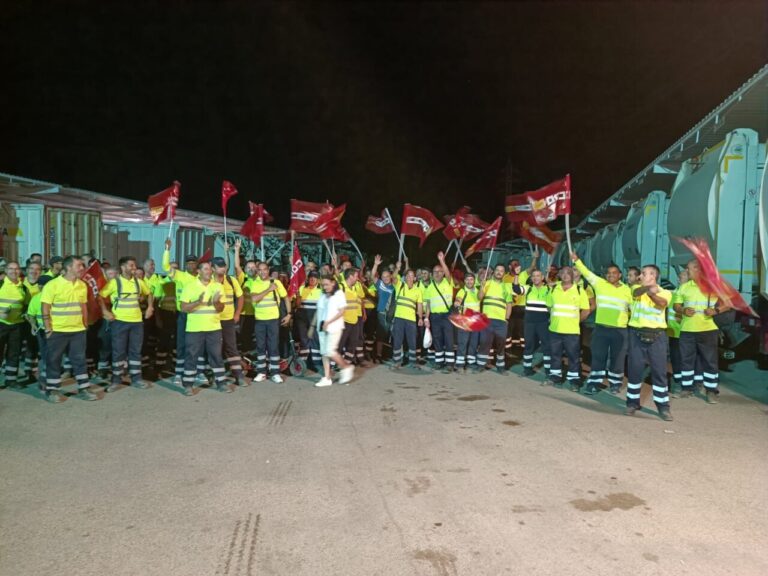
(266, 294)
(149, 350)
(14, 299)
(467, 298)
(536, 324)
(674, 319)
(699, 335)
(306, 307)
(32, 282)
(613, 300)
(497, 299)
(438, 299)
(568, 306)
(247, 318)
(409, 314)
(165, 313)
(516, 325)
(180, 279)
(232, 298)
(648, 342)
(352, 316)
(65, 316)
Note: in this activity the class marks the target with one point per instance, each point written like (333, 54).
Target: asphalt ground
(397, 473)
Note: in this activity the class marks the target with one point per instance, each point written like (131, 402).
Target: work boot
(684, 393)
(55, 396)
(188, 391)
(590, 389)
(557, 383)
(500, 370)
(447, 369)
(242, 382)
(141, 384)
(528, 372)
(712, 397)
(574, 385)
(666, 415)
(630, 410)
(223, 387)
(615, 389)
(114, 387)
(87, 395)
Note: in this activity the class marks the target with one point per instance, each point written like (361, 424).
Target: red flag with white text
(472, 226)
(542, 205)
(380, 224)
(227, 191)
(304, 214)
(542, 236)
(419, 222)
(94, 278)
(162, 206)
(487, 239)
(328, 224)
(253, 228)
(298, 273)
(454, 224)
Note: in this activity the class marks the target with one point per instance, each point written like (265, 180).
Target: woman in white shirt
(329, 322)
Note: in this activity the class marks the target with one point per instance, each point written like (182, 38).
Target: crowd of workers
(204, 327)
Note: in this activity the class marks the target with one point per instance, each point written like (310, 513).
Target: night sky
(370, 104)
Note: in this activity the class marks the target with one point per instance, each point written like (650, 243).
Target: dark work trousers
(516, 326)
(203, 344)
(247, 324)
(232, 358)
(309, 348)
(653, 355)
(570, 345)
(609, 353)
(369, 331)
(104, 342)
(422, 353)
(42, 346)
(149, 345)
(181, 340)
(166, 338)
(359, 340)
(404, 331)
(493, 337)
(348, 341)
(674, 360)
(33, 350)
(10, 341)
(699, 350)
(537, 336)
(466, 351)
(266, 337)
(442, 338)
(127, 339)
(92, 348)
(73, 345)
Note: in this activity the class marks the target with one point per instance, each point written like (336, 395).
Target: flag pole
(458, 251)
(170, 228)
(354, 245)
(568, 233)
(389, 216)
(263, 254)
(402, 248)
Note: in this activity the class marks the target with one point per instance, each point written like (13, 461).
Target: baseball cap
(190, 258)
(219, 261)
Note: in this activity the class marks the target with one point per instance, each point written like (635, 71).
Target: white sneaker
(277, 379)
(260, 378)
(323, 382)
(346, 374)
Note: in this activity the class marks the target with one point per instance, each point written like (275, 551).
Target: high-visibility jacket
(439, 296)
(613, 302)
(354, 309)
(691, 296)
(645, 314)
(125, 295)
(496, 296)
(565, 308)
(165, 295)
(247, 302)
(268, 308)
(204, 318)
(14, 298)
(536, 303)
(406, 299)
(32, 288)
(469, 298)
(517, 299)
(65, 299)
(231, 291)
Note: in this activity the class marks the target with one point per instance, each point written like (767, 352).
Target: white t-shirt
(330, 306)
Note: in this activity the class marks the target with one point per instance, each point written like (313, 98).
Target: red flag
(304, 214)
(542, 205)
(328, 224)
(253, 228)
(472, 226)
(454, 224)
(419, 222)
(709, 281)
(94, 277)
(380, 225)
(487, 239)
(298, 273)
(162, 206)
(206, 257)
(227, 191)
(542, 236)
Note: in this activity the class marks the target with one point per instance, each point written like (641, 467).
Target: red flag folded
(542, 236)
(328, 224)
(253, 228)
(298, 273)
(162, 206)
(487, 239)
(419, 222)
(470, 320)
(227, 191)
(542, 205)
(454, 224)
(710, 282)
(304, 214)
(380, 225)
(94, 277)
(473, 226)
